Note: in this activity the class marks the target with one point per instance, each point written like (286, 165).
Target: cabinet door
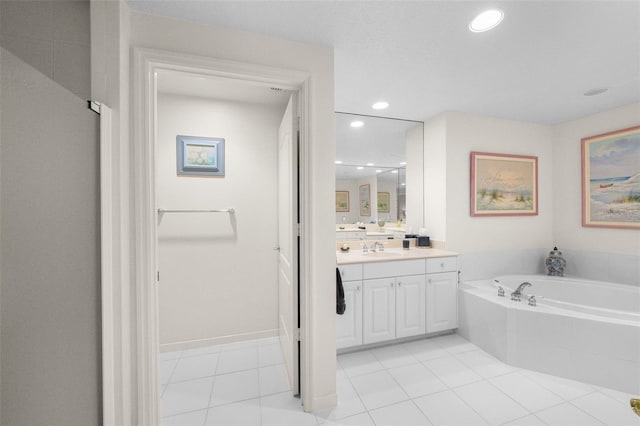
(349, 325)
(442, 301)
(379, 307)
(410, 305)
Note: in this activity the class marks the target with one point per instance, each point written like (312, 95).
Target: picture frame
(200, 156)
(342, 201)
(504, 185)
(610, 171)
(365, 200)
(384, 202)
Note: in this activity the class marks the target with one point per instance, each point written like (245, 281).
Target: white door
(442, 301)
(379, 309)
(288, 242)
(349, 325)
(410, 305)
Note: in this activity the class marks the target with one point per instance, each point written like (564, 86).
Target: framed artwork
(383, 202)
(342, 201)
(611, 179)
(504, 185)
(365, 200)
(200, 156)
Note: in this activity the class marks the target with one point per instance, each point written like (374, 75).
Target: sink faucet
(378, 245)
(365, 249)
(518, 292)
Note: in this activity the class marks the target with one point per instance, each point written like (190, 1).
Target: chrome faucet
(378, 245)
(365, 249)
(518, 292)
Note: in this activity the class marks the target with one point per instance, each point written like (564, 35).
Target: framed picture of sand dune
(503, 185)
(611, 179)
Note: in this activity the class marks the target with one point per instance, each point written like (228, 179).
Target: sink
(386, 253)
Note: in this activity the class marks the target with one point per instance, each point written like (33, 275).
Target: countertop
(390, 255)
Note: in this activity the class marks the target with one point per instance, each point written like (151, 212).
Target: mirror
(379, 176)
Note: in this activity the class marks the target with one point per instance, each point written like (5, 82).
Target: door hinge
(158, 276)
(297, 334)
(298, 229)
(95, 106)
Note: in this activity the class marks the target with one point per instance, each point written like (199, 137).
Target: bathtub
(579, 329)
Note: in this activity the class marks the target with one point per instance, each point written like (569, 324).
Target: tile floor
(440, 381)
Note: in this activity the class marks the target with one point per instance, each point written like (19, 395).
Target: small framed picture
(365, 200)
(383, 202)
(342, 201)
(200, 156)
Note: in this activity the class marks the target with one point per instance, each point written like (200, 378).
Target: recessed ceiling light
(378, 171)
(357, 124)
(403, 163)
(403, 184)
(370, 164)
(486, 20)
(394, 171)
(359, 167)
(338, 162)
(597, 91)
(380, 105)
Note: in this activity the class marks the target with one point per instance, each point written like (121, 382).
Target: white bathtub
(580, 329)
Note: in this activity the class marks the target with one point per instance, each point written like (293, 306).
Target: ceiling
(420, 57)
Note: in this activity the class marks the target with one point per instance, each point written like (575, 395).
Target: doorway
(147, 206)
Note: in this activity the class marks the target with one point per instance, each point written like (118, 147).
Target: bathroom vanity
(396, 293)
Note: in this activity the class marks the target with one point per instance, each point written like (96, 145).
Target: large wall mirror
(379, 176)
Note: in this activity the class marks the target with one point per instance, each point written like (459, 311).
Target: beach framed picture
(383, 202)
(611, 179)
(504, 184)
(199, 156)
(342, 201)
(364, 198)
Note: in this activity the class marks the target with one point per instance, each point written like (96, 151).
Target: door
(379, 309)
(442, 301)
(349, 325)
(410, 306)
(288, 243)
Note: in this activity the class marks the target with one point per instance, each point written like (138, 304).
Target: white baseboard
(319, 403)
(220, 340)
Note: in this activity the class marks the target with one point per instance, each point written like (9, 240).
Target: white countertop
(391, 254)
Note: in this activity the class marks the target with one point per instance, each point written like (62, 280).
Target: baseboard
(321, 402)
(220, 340)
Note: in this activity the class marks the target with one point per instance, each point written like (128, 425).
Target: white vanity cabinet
(442, 294)
(393, 300)
(349, 325)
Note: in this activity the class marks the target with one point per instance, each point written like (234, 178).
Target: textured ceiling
(422, 59)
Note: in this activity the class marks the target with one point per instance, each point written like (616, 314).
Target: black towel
(340, 304)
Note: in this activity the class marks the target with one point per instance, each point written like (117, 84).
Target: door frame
(145, 64)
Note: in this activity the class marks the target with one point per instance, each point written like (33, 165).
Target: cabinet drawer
(351, 272)
(394, 269)
(442, 264)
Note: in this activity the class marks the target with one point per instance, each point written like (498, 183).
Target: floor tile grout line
(585, 412)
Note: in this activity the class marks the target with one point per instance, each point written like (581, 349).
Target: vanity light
(486, 20)
(380, 105)
(338, 162)
(357, 124)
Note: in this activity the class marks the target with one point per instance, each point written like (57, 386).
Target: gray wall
(49, 177)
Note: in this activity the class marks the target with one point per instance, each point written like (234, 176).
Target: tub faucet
(518, 292)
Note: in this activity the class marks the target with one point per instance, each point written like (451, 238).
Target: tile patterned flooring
(439, 381)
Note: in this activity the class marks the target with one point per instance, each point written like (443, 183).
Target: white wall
(435, 178)
(50, 251)
(218, 272)
(197, 39)
(350, 185)
(466, 133)
(596, 253)
(415, 169)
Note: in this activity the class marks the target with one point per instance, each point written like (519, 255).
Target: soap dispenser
(555, 263)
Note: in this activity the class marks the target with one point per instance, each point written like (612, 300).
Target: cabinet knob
(399, 283)
(429, 280)
(391, 284)
(358, 288)
(442, 265)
